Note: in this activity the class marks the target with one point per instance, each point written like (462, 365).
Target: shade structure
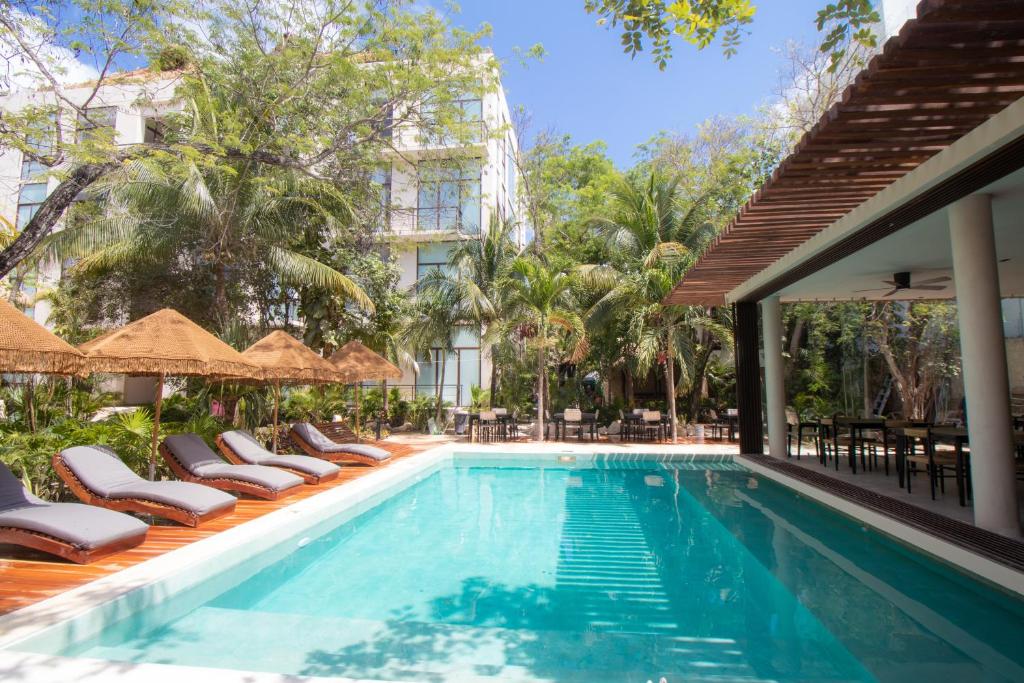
(359, 364)
(28, 347)
(165, 343)
(286, 360)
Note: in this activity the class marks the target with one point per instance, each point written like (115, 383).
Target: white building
(432, 204)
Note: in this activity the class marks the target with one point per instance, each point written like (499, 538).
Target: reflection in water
(659, 570)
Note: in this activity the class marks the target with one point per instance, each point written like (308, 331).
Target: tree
(223, 219)
(315, 86)
(435, 315)
(656, 234)
(699, 22)
(475, 279)
(919, 342)
(541, 299)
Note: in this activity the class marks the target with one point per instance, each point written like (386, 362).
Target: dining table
(856, 426)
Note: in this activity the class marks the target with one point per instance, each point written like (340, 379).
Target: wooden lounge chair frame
(224, 483)
(333, 457)
(55, 546)
(308, 478)
(149, 507)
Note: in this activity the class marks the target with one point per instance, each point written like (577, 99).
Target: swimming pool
(587, 571)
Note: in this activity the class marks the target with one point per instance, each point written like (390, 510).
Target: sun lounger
(192, 460)
(98, 477)
(242, 448)
(316, 444)
(76, 532)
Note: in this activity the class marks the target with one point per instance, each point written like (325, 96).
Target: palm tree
(654, 234)
(225, 218)
(540, 299)
(435, 316)
(476, 278)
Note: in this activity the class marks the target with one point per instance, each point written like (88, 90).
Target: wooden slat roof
(949, 70)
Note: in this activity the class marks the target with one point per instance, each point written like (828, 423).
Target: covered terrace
(916, 171)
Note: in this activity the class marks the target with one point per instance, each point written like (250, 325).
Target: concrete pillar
(983, 351)
(774, 384)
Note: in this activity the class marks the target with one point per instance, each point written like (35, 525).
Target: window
(155, 130)
(29, 200)
(431, 257)
(381, 179)
(462, 368)
(1013, 318)
(467, 113)
(449, 197)
(97, 119)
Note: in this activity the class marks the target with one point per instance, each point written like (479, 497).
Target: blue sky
(587, 87)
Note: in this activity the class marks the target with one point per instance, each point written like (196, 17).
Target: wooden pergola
(946, 72)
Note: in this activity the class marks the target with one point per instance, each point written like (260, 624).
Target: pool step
(404, 650)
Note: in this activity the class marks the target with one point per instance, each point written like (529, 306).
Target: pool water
(689, 572)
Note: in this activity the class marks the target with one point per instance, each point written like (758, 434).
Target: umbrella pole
(357, 412)
(277, 401)
(159, 399)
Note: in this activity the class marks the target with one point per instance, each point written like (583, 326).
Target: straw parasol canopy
(359, 364)
(286, 360)
(28, 347)
(165, 343)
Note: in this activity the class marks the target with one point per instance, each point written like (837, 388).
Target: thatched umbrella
(165, 343)
(28, 347)
(286, 360)
(360, 364)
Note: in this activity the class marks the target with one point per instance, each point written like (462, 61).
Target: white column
(775, 388)
(983, 351)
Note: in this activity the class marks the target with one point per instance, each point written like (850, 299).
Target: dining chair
(572, 418)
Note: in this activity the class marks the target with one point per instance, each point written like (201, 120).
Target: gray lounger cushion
(196, 457)
(315, 438)
(247, 448)
(81, 526)
(104, 474)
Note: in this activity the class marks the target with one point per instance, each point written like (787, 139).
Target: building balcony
(429, 224)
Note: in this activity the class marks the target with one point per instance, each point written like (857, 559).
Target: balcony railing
(410, 221)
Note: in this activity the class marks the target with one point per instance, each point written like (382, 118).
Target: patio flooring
(945, 504)
(27, 576)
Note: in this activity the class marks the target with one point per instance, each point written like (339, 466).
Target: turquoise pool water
(620, 573)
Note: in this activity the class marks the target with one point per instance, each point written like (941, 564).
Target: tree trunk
(440, 387)
(51, 211)
(628, 374)
(540, 390)
(220, 300)
(494, 378)
(700, 369)
(670, 388)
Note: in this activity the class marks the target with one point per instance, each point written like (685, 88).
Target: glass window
(154, 130)
(1013, 318)
(449, 197)
(432, 257)
(97, 118)
(29, 200)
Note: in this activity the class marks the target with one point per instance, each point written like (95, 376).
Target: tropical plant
(540, 301)
(655, 234)
(215, 222)
(429, 330)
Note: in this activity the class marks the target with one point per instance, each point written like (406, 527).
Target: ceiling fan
(901, 282)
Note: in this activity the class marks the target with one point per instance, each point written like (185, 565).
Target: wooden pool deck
(27, 577)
